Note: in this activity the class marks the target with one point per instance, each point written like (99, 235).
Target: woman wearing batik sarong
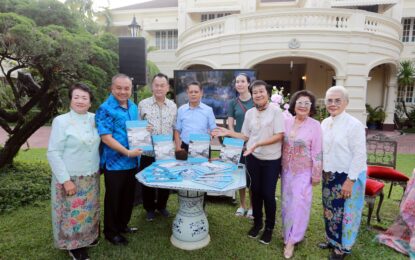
(74, 159)
(344, 173)
(301, 167)
(401, 235)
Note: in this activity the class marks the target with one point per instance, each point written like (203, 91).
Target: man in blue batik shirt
(193, 117)
(118, 162)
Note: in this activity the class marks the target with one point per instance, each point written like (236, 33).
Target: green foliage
(144, 92)
(321, 113)
(24, 184)
(375, 115)
(406, 73)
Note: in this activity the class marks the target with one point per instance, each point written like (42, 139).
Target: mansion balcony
(294, 21)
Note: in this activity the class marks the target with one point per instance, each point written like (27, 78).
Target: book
(231, 150)
(156, 174)
(218, 182)
(138, 136)
(199, 145)
(163, 147)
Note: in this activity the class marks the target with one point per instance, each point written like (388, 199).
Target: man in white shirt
(344, 173)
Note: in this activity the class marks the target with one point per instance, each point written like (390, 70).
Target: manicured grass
(26, 233)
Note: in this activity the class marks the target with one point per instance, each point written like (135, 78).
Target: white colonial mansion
(301, 44)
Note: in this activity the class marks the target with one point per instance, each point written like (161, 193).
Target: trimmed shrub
(24, 184)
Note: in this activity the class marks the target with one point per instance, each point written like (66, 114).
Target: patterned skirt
(342, 216)
(75, 219)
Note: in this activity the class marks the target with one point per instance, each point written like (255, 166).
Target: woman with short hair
(301, 167)
(263, 129)
(344, 174)
(74, 159)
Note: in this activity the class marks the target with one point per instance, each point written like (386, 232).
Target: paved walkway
(406, 142)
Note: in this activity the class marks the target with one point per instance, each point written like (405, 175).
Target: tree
(406, 79)
(47, 44)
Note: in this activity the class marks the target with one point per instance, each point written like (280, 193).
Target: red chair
(373, 189)
(381, 161)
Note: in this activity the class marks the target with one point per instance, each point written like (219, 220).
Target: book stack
(156, 174)
(214, 174)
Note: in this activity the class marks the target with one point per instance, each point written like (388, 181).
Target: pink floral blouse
(302, 149)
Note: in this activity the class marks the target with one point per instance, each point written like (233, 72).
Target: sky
(113, 3)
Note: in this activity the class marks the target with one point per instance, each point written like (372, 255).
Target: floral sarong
(401, 235)
(75, 219)
(342, 216)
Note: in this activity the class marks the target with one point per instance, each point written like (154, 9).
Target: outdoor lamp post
(134, 28)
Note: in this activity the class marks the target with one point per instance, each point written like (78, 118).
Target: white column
(248, 6)
(391, 88)
(356, 85)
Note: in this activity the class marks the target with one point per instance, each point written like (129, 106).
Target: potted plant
(375, 117)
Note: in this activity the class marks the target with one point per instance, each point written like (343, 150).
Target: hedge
(23, 184)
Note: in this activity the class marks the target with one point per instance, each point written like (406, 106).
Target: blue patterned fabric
(342, 217)
(110, 119)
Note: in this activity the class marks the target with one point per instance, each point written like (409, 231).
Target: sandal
(288, 251)
(240, 212)
(249, 214)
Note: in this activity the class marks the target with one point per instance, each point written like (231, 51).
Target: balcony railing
(335, 20)
(361, 2)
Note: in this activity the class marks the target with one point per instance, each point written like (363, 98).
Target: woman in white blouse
(74, 159)
(344, 173)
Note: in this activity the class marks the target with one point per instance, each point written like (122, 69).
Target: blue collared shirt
(110, 119)
(194, 120)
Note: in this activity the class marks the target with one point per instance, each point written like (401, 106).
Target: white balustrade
(301, 20)
(361, 2)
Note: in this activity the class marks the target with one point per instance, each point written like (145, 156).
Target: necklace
(86, 139)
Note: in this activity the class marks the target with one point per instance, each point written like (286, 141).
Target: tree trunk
(47, 107)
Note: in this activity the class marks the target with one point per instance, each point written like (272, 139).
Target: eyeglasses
(303, 103)
(337, 101)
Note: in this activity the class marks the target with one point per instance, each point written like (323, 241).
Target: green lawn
(26, 233)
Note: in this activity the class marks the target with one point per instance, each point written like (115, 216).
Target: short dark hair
(82, 87)
(303, 93)
(197, 83)
(160, 75)
(257, 83)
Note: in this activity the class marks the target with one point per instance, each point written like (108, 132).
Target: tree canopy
(51, 48)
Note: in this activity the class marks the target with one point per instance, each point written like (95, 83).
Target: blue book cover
(199, 145)
(231, 150)
(138, 136)
(218, 182)
(164, 147)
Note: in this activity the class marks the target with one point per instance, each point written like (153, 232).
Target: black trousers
(153, 198)
(118, 201)
(264, 176)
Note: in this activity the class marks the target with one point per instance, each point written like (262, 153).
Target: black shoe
(254, 231)
(325, 245)
(335, 256)
(266, 236)
(118, 240)
(150, 216)
(129, 230)
(164, 212)
(79, 254)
